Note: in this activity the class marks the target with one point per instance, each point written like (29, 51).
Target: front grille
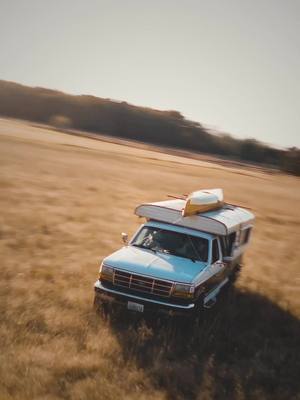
(143, 284)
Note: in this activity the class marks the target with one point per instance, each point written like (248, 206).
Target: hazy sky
(231, 64)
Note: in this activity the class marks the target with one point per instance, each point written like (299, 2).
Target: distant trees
(60, 121)
(290, 161)
(167, 128)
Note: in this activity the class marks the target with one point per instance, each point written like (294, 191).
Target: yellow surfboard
(202, 201)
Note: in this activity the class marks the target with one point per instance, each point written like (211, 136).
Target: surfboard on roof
(203, 200)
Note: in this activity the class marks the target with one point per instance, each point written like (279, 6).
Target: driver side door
(218, 267)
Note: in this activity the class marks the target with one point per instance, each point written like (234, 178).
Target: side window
(245, 235)
(215, 251)
(224, 245)
(231, 241)
(227, 243)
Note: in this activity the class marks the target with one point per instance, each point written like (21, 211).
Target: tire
(235, 274)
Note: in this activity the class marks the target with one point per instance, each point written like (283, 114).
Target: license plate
(135, 306)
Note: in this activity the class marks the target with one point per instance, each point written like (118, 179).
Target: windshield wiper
(143, 247)
(173, 253)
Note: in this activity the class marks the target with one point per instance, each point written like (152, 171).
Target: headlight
(183, 290)
(106, 273)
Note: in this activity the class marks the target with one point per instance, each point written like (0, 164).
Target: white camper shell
(178, 260)
(222, 221)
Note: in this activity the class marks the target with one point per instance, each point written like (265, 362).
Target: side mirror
(124, 238)
(220, 264)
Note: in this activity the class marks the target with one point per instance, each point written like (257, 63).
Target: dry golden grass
(64, 201)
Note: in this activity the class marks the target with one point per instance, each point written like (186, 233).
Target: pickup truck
(177, 262)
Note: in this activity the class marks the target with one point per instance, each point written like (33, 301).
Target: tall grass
(64, 201)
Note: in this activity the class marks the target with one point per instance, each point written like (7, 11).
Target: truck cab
(174, 263)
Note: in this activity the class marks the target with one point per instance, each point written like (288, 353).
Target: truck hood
(157, 265)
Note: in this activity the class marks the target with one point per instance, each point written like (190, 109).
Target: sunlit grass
(62, 210)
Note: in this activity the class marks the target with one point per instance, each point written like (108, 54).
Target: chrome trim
(149, 276)
(146, 276)
(98, 285)
(142, 283)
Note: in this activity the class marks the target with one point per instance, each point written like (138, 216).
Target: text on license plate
(135, 306)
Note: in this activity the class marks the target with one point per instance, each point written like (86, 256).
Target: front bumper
(150, 305)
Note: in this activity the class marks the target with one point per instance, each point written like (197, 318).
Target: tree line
(120, 119)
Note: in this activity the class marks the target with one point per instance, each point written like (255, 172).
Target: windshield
(170, 242)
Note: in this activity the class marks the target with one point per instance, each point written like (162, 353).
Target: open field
(64, 201)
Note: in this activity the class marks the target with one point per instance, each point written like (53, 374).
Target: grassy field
(64, 201)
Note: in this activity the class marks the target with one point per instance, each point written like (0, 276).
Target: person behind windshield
(174, 243)
(154, 240)
(179, 245)
(186, 249)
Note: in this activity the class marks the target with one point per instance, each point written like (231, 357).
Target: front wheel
(235, 274)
